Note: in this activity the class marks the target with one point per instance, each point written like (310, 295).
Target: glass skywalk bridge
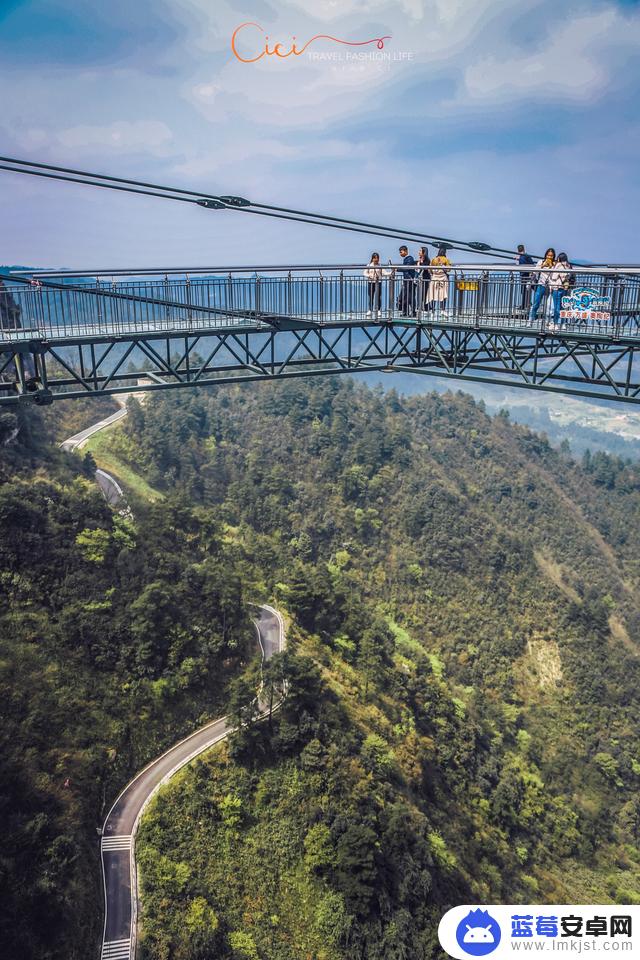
(68, 335)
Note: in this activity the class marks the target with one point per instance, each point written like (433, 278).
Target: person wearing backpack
(561, 282)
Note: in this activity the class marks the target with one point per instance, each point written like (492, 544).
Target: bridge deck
(72, 338)
(247, 323)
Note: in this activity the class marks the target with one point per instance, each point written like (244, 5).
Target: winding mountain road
(117, 845)
(78, 440)
(118, 834)
(110, 487)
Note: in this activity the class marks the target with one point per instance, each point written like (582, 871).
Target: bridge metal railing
(603, 301)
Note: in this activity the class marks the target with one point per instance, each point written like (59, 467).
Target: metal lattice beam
(70, 340)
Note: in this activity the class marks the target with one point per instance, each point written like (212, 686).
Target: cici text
(250, 44)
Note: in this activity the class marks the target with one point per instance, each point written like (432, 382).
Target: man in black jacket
(407, 299)
(524, 260)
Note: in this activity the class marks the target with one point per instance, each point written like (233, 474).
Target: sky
(504, 122)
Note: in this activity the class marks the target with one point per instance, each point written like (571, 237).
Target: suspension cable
(385, 234)
(96, 183)
(215, 201)
(102, 176)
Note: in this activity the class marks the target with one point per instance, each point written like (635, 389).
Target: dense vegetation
(462, 723)
(117, 635)
(462, 716)
(595, 426)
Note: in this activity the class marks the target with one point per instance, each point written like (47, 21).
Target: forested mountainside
(579, 423)
(30, 437)
(462, 716)
(462, 722)
(118, 635)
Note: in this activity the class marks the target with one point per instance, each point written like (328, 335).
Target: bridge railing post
(47, 321)
(420, 292)
(258, 295)
(341, 295)
(187, 285)
(40, 321)
(99, 302)
(460, 292)
(616, 305)
(513, 279)
(289, 294)
(112, 306)
(227, 294)
(633, 306)
(482, 285)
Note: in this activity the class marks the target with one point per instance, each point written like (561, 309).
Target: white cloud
(340, 9)
(121, 136)
(575, 60)
(62, 112)
(261, 154)
(465, 52)
(341, 137)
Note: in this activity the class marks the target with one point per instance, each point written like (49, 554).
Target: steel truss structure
(126, 339)
(558, 363)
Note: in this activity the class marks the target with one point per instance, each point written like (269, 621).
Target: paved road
(118, 835)
(121, 823)
(111, 489)
(78, 440)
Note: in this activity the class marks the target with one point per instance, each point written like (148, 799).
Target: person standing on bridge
(541, 281)
(407, 294)
(438, 290)
(423, 278)
(524, 259)
(374, 274)
(560, 283)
